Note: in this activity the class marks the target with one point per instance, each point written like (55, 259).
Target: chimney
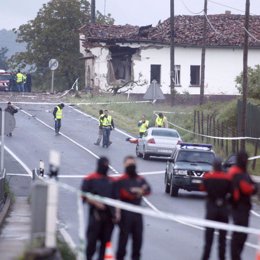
(227, 12)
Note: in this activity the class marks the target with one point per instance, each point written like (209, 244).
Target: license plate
(196, 181)
(164, 151)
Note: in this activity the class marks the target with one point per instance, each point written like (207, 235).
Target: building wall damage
(118, 55)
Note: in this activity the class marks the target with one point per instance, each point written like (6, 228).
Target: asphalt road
(163, 239)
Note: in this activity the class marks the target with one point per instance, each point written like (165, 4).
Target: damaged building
(126, 55)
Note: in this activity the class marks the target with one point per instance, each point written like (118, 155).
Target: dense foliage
(3, 58)
(54, 34)
(253, 82)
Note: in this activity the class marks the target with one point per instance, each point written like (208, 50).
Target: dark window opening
(155, 73)
(120, 65)
(177, 75)
(195, 75)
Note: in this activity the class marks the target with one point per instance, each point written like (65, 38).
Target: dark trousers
(100, 135)
(217, 214)
(241, 218)
(100, 229)
(106, 136)
(57, 125)
(130, 224)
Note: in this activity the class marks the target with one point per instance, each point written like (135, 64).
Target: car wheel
(167, 185)
(174, 190)
(138, 154)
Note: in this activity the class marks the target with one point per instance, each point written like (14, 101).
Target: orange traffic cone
(109, 255)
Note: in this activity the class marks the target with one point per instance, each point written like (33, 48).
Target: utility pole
(93, 11)
(172, 53)
(245, 76)
(203, 53)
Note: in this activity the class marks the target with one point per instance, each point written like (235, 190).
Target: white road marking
(70, 139)
(149, 173)
(27, 169)
(145, 199)
(18, 174)
(255, 213)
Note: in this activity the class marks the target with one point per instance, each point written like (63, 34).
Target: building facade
(120, 55)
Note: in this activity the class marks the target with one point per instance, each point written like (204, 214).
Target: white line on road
(70, 139)
(148, 173)
(255, 213)
(145, 199)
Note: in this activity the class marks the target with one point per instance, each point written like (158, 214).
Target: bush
(253, 82)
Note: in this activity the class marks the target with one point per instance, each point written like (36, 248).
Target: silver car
(157, 141)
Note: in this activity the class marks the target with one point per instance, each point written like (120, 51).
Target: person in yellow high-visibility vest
(107, 123)
(161, 121)
(57, 113)
(20, 80)
(143, 125)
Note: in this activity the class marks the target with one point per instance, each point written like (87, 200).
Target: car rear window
(160, 132)
(195, 157)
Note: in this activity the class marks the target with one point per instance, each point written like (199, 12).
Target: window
(194, 75)
(120, 65)
(165, 133)
(155, 73)
(177, 75)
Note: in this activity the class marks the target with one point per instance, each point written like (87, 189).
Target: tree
(54, 34)
(253, 82)
(3, 58)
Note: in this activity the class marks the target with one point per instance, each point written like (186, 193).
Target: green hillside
(8, 40)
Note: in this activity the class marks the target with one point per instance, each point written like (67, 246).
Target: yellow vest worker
(107, 125)
(19, 77)
(161, 121)
(57, 113)
(143, 126)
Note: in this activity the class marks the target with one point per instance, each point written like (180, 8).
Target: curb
(5, 209)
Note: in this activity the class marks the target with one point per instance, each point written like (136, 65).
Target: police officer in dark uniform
(100, 221)
(131, 187)
(243, 188)
(217, 184)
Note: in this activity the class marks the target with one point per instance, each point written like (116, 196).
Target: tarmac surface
(162, 239)
(15, 229)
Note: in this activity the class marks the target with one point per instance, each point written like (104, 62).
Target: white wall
(222, 67)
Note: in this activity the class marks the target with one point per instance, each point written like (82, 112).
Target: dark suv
(186, 167)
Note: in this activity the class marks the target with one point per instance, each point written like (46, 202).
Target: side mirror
(171, 160)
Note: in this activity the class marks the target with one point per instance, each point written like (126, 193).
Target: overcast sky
(135, 12)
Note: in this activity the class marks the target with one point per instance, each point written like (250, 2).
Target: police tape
(218, 137)
(211, 136)
(78, 104)
(161, 214)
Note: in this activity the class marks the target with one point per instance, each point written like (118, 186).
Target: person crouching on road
(100, 220)
(217, 184)
(57, 113)
(243, 188)
(130, 188)
(12, 110)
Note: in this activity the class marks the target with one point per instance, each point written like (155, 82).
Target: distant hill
(8, 40)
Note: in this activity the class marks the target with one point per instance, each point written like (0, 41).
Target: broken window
(194, 75)
(177, 75)
(155, 73)
(120, 65)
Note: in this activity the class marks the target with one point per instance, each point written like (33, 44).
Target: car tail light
(151, 141)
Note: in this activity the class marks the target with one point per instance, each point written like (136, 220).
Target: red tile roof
(223, 30)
